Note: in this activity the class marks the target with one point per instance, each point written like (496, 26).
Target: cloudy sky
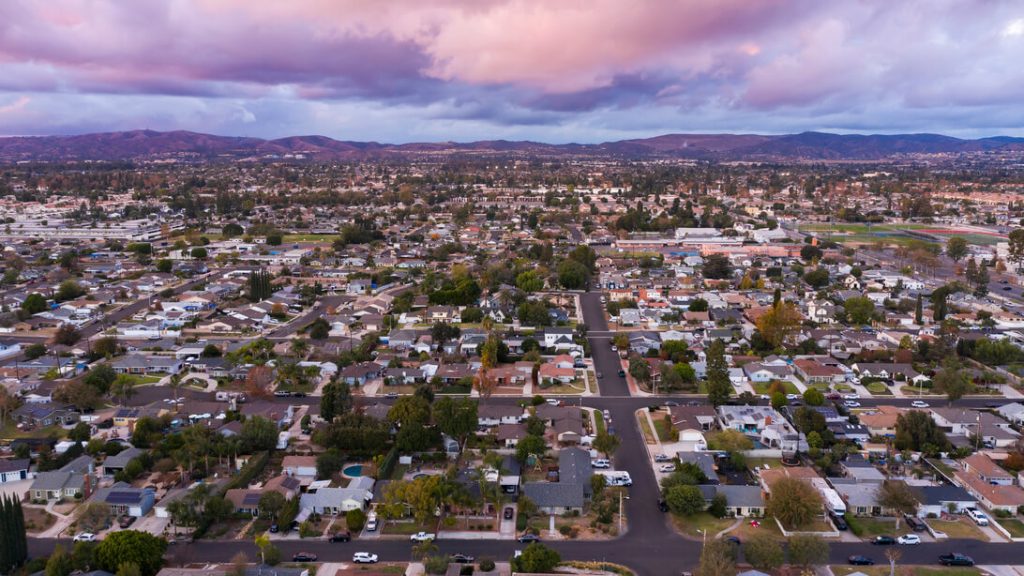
(554, 71)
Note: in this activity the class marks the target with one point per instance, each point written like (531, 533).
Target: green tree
(716, 267)
(956, 248)
(14, 548)
(335, 399)
(606, 443)
(271, 504)
(68, 290)
(952, 380)
(684, 500)
(410, 411)
(763, 552)
(536, 559)
(59, 563)
(817, 278)
(916, 431)
(258, 433)
(123, 387)
(164, 266)
(34, 303)
(719, 385)
(794, 502)
(813, 397)
(806, 551)
(131, 546)
(717, 557)
(33, 351)
(128, 569)
(859, 309)
(319, 329)
(455, 417)
(1015, 253)
(530, 444)
(573, 275)
(899, 496)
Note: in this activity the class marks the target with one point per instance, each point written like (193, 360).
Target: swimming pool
(353, 470)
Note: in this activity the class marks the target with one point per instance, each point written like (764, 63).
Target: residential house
(335, 501)
(116, 463)
(573, 488)
(124, 500)
(42, 414)
(491, 415)
(742, 501)
(943, 499)
(147, 364)
(14, 470)
(73, 480)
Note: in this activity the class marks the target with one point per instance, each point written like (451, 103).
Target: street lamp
(622, 496)
(704, 536)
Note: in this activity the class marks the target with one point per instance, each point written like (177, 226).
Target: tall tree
(807, 551)
(794, 502)
(719, 385)
(956, 248)
(1016, 248)
(952, 380)
(899, 496)
(780, 323)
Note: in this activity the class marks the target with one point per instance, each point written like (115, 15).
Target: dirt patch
(37, 519)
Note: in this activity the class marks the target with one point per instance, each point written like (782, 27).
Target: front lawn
(763, 387)
(692, 525)
(955, 529)
(1014, 526)
(664, 429)
(878, 388)
(406, 528)
(645, 428)
(870, 527)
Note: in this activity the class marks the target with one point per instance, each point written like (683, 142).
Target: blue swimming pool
(353, 470)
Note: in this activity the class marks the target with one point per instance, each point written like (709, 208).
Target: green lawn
(599, 421)
(693, 524)
(961, 528)
(870, 527)
(762, 387)
(878, 388)
(1014, 526)
(646, 429)
(11, 431)
(663, 428)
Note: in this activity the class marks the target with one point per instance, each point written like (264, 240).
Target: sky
(546, 70)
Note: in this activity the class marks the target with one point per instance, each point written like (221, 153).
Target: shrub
(486, 565)
(565, 530)
(436, 564)
(355, 520)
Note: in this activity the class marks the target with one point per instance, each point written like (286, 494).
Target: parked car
(851, 404)
(304, 557)
(661, 458)
(908, 539)
(670, 403)
(622, 373)
(509, 513)
(662, 505)
(601, 463)
(371, 524)
(364, 558)
(919, 404)
(527, 538)
(851, 396)
(956, 559)
(915, 523)
(274, 528)
(600, 375)
(84, 537)
(461, 558)
(884, 541)
(859, 560)
(667, 468)
(341, 536)
(554, 401)
(839, 521)
(422, 537)
(391, 395)
(978, 516)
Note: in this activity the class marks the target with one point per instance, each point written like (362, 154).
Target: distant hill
(149, 144)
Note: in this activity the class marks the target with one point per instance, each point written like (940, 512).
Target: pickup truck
(422, 537)
(956, 559)
(978, 516)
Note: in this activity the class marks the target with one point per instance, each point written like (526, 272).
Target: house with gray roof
(13, 470)
(125, 500)
(334, 501)
(71, 481)
(742, 501)
(116, 463)
(572, 490)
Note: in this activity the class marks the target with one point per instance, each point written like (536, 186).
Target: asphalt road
(650, 546)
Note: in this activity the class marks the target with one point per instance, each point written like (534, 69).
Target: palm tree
(299, 347)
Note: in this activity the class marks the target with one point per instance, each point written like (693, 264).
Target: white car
(601, 463)
(851, 404)
(851, 396)
(422, 537)
(662, 458)
(919, 404)
(792, 396)
(978, 516)
(85, 537)
(364, 558)
(667, 468)
(909, 539)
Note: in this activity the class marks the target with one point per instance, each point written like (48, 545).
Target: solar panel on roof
(122, 497)
(251, 499)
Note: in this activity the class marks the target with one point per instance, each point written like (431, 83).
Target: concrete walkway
(731, 527)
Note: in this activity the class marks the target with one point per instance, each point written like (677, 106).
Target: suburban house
(491, 415)
(42, 414)
(147, 364)
(13, 470)
(943, 499)
(125, 500)
(301, 467)
(116, 463)
(991, 485)
(743, 501)
(571, 491)
(73, 480)
(335, 500)
(244, 500)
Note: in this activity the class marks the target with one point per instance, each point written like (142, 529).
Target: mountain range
(807, 146)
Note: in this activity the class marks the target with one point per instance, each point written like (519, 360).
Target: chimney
(87, 489)
(768, 420)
